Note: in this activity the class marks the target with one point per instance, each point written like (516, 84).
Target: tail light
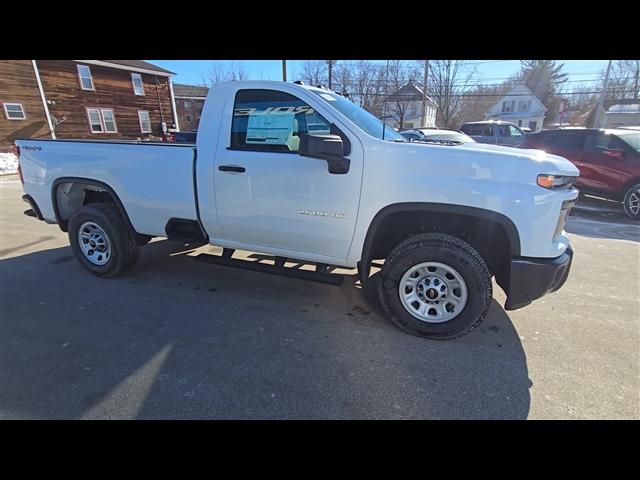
(15, 149)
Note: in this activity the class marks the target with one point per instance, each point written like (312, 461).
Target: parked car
(608, 160)
(435, 135)
(446, 218)
(495, 132)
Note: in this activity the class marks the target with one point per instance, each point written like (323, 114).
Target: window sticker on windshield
(327, 97)
(270, 129)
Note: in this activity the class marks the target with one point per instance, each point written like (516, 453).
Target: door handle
(231, 168)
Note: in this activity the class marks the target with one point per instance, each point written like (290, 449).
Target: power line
(492, 94)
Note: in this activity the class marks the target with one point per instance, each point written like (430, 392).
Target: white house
(519, 106)
(406, 105)
(623, 114)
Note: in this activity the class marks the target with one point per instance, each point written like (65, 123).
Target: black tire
(631, 197)
(124, 250)
(142, 240)
(453, 252)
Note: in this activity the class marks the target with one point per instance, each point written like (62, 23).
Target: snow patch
(8, 163)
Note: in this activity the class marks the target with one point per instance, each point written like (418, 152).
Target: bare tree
(476, 103)
(624, 80)
(449, 81)
(219, 73)
(341, 77)
(398, 102)
(367, 86)
(314, 72)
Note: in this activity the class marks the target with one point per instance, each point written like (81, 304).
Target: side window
(271, 121)
(599, 142)
(514, 131)
(567, 141)
(478, 130)
(503, 131)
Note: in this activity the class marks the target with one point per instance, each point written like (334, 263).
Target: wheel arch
(627, 186)
(63, 220)
(426, 210)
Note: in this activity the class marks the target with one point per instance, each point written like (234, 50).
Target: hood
(539, 159)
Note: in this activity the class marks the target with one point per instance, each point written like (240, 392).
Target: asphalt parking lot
(175, 338)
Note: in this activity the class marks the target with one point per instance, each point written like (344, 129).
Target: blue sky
(490, 71)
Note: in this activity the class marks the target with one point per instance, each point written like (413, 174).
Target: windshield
(632, 138)
(363, 119)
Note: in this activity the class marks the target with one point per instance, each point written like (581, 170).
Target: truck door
(267, 195)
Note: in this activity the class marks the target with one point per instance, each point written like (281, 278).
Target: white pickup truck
(300, 172)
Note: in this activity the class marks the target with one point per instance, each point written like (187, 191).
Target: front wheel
(435, 286)
(632, 202)
(101, 240)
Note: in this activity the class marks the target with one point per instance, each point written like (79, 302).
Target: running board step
(278, 269)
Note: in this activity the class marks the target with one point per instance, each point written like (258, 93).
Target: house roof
(139, 64)
(409, 93)
(524, 90)
(182, 90)
(607, 104)
(624, 108)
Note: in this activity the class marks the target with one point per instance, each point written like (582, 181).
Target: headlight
(554, 182)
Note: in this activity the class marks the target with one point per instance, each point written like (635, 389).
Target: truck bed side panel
(153, 182)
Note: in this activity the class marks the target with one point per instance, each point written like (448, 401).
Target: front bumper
(531, 278)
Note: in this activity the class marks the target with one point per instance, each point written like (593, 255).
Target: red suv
(608, 160)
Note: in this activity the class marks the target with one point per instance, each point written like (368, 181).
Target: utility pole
(424, 93)
(284, 70)
(598, 120)
(330, 68)
(635, 82)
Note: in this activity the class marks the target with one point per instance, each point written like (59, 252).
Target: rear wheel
(435, 286)
(632, 202)
(101, 240)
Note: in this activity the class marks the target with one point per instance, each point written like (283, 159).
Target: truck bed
(153, 180)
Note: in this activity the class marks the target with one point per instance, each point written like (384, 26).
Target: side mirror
(325, 147)
(613, 153)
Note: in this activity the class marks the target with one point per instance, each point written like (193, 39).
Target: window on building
(13, 111)
(187, 105)
(414, 108)
(533, 126)
(524, 105)
(102, 120)
(109, 121)
(508, 106)
(138, 87)
(188, 118)
(84, 75)
(271, 121)
(145, 121)
(95, 123)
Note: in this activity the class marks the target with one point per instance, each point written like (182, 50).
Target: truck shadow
(174, 338)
